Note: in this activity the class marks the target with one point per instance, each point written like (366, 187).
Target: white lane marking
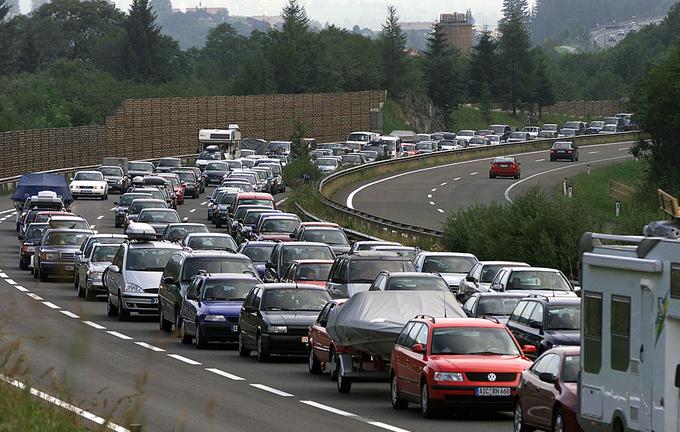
(280, 203)
(67, 406)
(118, 335)
(51, 305)
(34, 296)
(100, 217)
(94, 325)
(434, 189)
(225, 374)
(623, 148)
(431, 203)
(20, 288)
(539, 160)
(443, 184)
(457, 178)
(350, 197)
(204, 203)
(271, 390)
(10, 281)
(512, 186)
(474, 173)
(429, 195)
(7, 211)
(386, 426)
(93, 226)
(328, 408)
(184, 359)
(192, 210)
(69, 314)
(440, 210)
(593, 152)
(3, 275)
(151, 347)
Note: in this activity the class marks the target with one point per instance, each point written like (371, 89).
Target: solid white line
(51, 305)
(386, 426)
(184, 359)
(440, 210)
(474, 173)
(443, 184)
(328, 408)
(67, 406)
(34, 296)
(69, 314)
(100, 217)
(118, 335)
(20, 288)
(624, 148)
(151, 347)
(225, 374)
(279, 203)
(512, 186)
(94, 325)
(457, 178)
(7, 211)
(350, 197)
(112, 208)
(271, 390)
(3, 275)
(192, 210)
(593, 152)
(10, 281)
(431, 203)
(539, 160)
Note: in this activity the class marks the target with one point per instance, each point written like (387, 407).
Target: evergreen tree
(514, 47)
(29, 57)
(442, 72)
(6, 39)
(469, 17)
(142, 43)
(483, 66)
(223, 53)
(543, 93)
(392, 41)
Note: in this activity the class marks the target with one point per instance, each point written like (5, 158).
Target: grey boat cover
(371, 321)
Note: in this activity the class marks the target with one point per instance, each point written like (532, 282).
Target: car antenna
(444, 300)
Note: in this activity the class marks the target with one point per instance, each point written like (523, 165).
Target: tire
(183, 336)
(262, 354)
(36, 272)
(558, 422)
(218, 225)
(123, 314)
(111, 310)
(427, 408)
(200, 341)
(242, 350)
(344, 384)
(313, 364)
(491, 176)
(118, 225)
(397, 402)
(89, 295)
(23, 265)
(163, 324)
(518, 419)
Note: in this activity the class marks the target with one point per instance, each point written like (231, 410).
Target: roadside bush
(294, 172)
(533, 229)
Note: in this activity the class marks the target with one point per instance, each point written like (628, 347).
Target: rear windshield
(365, 271)
(564, 317)
(260, 253)
(140, 166)
(126, 199)
(212, 243)
(334, 237)
(280, 225)
(158, 216)
(538, 280)
(89, 176)
(562, 146)
(294, 299)
(306, 253)
(498, 306)
(417, 284)
(175, 233)
(448, 264)
(258, 202)
(70, 224)
(227, 198)
(34, 232)
(313, 272)
(216, 265)
(111, 171)
(104, 253)
(66, 238)
(186, 176)
(138, 207)
(227, 290)
(148, 259)
(217, 167)
(252, 216)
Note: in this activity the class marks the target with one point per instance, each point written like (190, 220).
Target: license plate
(504, 166)
(234, 328)
(560, 151)
(304, 339)
(492, 391)
(153, 301)
(68, 268)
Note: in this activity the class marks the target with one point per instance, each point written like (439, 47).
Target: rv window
(620, 333)
(675, 280)
(592, 332)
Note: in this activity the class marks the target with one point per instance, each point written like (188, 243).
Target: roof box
(140, 232)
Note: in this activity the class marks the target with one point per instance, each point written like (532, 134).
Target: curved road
(425, 197)
(131, 372)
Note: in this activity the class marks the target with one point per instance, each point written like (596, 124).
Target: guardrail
(337, 181)
(351, 233)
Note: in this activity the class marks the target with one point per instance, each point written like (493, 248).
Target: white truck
(630, 354)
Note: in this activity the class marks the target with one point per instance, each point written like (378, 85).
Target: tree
(442, 72)
(29, 57)
(223, 53)
(162, 8)
(514, 47)
(6, 39)
(142, 43)
(392, 42)
(298, 148)
(483, 66)
(543, 93)
(469, 17)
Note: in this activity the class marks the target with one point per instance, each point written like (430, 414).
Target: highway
(131, 373)
(426, 197)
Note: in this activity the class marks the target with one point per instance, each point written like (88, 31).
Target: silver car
(452, 266)
(84, 255)
(91, 271)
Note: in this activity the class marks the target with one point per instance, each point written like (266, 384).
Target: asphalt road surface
(130, 372)
(425, 197)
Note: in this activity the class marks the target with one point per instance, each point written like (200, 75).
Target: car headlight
(131, 287)
(448, 376)
(214, 318)
(224, 211)
(278, 329)
(50, 256)
(94, 275)
(120, 181)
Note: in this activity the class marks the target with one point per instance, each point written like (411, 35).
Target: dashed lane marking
(440, 210)
(204, 203)
(112, 208)
(386, 426)
(429, 195)
(271, 390)
(100, 217)
(225, 374)
(431, 203)
(51, 305)
(118, 335)
(94, 325)
(184, 359)
(34, 296)
(10, 281)
(328, 408)
(457, 178)
(443, 184)
(593, 152)
(192, 210)
(539, 160)
(3, 275)
(148, 346)
(624, 148)
(474, 173)
(20, 288)
(434, 189)
(69, 314)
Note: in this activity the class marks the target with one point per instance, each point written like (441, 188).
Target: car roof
(254, 195)
(106, 235)
(224, 276)
(452, 254)
(301, 243)
(415, 275)
(213, 254)
(143, 200)
(499, 294)
(544, 269)
(553, 301)
(70, 230)
(184, 224)
(372, 255)
(154, 244)
(204, 234)
(508, 263)
(259, 243)
(289, 285)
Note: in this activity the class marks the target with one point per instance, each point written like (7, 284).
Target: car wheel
(491, 175)
(23, 265)
(518, 419)
(118, 224)
(34, 272)
(262, 354)
(427, 408)
(344, 384)
(218, 225)
(123, 314)
(242, 350)
(163, 324)
(200, 341)
(183, 336)
(313, 364)
(105, 197)
(397, 402)
(333, 368)
(89, 295)
(558, 422)
(111, 310)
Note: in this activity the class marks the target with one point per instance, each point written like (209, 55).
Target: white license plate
(504, 166)
(304, 339)
(68, 268)
(492, 391)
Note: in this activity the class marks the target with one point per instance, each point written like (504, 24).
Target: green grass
(394, 117)
(472, 118)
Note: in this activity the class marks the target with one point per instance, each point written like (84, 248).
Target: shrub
(294, 172)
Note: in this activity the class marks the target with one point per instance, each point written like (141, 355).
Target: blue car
(258, 252)
(211, 307)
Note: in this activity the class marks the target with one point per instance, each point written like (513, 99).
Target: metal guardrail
(412, 230)
(351, 233)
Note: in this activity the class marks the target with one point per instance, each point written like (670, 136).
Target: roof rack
(535, 295)
(427, 317)
(491, 318)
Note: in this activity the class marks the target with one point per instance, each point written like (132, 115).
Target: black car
(30, 243)
(496, 304)
(57, 252)
(545, 322)
(140, 169)
(275, 319)
(285, 252)
(214, 172)
(115, 178)
(182, 267)
(220, 215)
(167, 164)
(190, 180)
(123, 204)
(564, 150)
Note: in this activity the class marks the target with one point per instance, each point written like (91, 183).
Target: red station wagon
(464, 361)
(321, 347)
(505, 167)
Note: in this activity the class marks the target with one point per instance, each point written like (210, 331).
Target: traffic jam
(443, 330)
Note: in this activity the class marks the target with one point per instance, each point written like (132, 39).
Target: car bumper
(504, 172)
(88, 193)
(118, 187)
(120, 218)
(146, 304)
(286, 344)
(465, 395)
(96, 286)
(219, 332)
(64, 269)
(556, 156)
(221, 218)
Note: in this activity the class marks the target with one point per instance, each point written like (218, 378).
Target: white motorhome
(630, 355)
(228, 140)
(356, 140)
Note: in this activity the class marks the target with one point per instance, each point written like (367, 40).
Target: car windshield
(570, 368)
(280, 225)
(313, 271)
(126, 199)
(227, 198)
(489, 272)
(301, 252)
(473, 341)
(234, 164)
(330, 236)
(34, 232)
(141, 166)
(327, 162)
(477, 140)
(414, 283)
(365, 271)
(259, 253)
(69, 223)
(63, 238)
(216, 265)
(158, 216)
(217, 166)
(564, 317)
(597, 124)
(496, 306)
(549, 127)
(252, 216)
(148, 259)
(111, 171)
(561, 146)
(448, 264)
(136, 208)
(257, 202)
(176, 233)
(537, 280)
(294, 299)
(169, 163)
(227, 289)
(206, 155)
(217, 242)
(518, 135)
(571, 125)
(186, 176)
(407, 252)
(104, 253)
(155, 194)
(276, 168)
(88, 176)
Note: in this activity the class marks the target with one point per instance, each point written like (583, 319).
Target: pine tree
(6, 39)
(295, 18)
(143, 42)
(514, 47)
(392, 41)
(484, 66)
(543, 93)
(442, 71)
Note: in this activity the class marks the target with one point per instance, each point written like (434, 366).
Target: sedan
(505, 167)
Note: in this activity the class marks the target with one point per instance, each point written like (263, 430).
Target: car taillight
(552, 151)
(569, 151)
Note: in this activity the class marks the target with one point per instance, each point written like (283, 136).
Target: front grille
(298, 331)
(484, 376)
(151, 290)
(67, 256)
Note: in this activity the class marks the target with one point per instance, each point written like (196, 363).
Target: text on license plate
(68, 268)
(504, 166)
(304, 339)
(492, 391)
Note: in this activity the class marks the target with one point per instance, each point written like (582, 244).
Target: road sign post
(618, 208)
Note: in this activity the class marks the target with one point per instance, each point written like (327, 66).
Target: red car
(546, 397)
(505, 167)
(408, 150)
(321, 347)
(314, 272)
(464, 361)
(177, 185)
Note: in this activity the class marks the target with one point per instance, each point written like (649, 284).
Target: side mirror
(248, 309)
(470, 279)
(169, 280)
(547, 377)
(535, 324)
(114, 269)
(292, 236)
(529, 349)
(78, 254)
(418, 348)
